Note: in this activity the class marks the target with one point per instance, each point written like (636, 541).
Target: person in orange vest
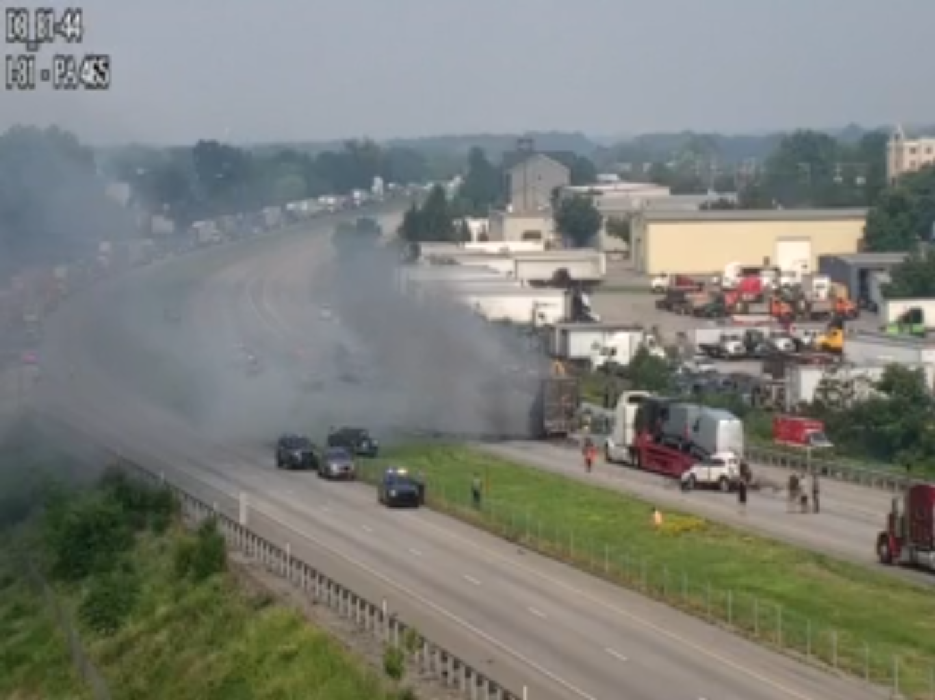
(590, 454)
(657, 518)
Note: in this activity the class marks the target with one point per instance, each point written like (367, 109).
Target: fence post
(779, 625)
(606, 558)
(834, 649)
(242, 516)
(288, 571)
(730, 608)
(808, 638)
(867, 662)
(895, 676)
(708, 599)
(756, 616)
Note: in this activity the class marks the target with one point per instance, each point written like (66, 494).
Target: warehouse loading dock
(856, 271)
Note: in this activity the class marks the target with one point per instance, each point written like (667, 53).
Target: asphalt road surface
(523, 618)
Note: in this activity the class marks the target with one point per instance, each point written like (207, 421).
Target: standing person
(590, 454)
(793, 491)
(815, 494)
(742, 495)
(476, 490)
(420, 484)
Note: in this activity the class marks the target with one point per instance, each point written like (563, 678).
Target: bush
(144, 505)
(394, 662)
(203, 555)
(88, 534)
(109, 599)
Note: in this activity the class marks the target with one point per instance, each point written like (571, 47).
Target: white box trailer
(892, 309)
(589, 266)
(539, 307)
(443, 274)
(584, 341)
(502, 264)
(506, 246)
(805, 383)
(882, 348)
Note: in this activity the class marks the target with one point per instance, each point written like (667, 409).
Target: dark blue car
(398, 488)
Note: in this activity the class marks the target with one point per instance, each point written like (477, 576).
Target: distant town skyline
(304, 72)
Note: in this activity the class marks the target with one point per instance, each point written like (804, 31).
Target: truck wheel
(723, 484)
(884, 552)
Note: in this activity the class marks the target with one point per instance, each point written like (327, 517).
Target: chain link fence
(87, 670)
(757, 618)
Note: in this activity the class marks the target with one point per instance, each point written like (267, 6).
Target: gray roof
(755, 215)
(870, 258)
(513, 159)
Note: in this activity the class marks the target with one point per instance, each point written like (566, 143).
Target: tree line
(54, 204)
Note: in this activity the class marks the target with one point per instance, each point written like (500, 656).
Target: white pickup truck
(720, 471)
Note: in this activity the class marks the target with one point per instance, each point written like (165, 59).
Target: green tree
(914, 278)
(433, 221)
(578, 220)
(903, 214)
(619, 227)
(482, 185)
(647, 372)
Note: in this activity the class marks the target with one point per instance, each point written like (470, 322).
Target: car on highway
(337, 463)
(398, 488)
(358, 441)
(296, 452)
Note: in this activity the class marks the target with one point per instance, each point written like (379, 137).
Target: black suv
(296, 452)
(357, 441)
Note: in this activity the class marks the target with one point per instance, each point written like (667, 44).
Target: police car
(398, 488)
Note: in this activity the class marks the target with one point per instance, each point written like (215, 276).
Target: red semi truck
(799, 431)
(909, 538)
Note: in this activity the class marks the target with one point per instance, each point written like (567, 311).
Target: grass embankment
(157, 611)
(835, 612)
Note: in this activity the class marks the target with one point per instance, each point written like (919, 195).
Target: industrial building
(706, 241)
(857, 270)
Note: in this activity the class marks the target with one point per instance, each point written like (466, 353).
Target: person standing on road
(590, 454)
(815, 493)
(742, 495)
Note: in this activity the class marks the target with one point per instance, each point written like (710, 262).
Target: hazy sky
(249, 70)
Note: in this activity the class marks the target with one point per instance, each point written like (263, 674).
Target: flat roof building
(706, 241)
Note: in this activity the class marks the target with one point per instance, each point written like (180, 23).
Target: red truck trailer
(799, 431)
(650, 456)
(909, 538)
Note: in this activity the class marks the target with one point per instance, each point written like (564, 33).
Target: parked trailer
(539, 307)
(586, 266)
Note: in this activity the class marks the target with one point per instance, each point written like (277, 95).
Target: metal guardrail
(428, 657)
(874, 478)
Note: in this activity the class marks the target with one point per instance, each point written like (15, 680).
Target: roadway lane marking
(617, 655)
(444, 612)
(415, 551)
(471, 579)
(538, 613)
(633, 617)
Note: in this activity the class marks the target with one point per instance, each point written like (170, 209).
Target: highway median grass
(831, 612)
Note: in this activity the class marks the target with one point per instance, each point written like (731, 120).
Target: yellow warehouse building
(695, 242)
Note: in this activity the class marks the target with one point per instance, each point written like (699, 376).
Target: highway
(850, 517)
(571, 635)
